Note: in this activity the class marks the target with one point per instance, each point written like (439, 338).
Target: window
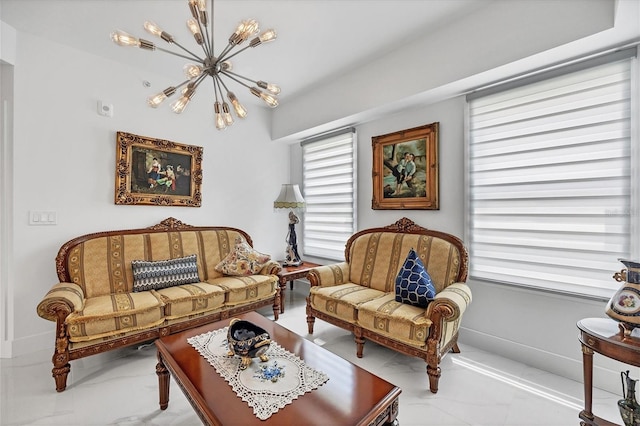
(329, 190)
(550, 179)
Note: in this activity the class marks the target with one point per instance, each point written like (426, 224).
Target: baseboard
(606, 372)
(35, 343)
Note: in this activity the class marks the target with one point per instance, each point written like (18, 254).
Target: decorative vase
(628, 406)
(624, 306)
(247, 341)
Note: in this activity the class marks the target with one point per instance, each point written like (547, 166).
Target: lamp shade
(289, 198)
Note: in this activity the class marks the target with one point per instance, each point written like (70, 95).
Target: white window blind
(329, 188)
(550, 181)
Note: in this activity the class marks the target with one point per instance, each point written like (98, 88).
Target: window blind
(550, 181)
(329, 188)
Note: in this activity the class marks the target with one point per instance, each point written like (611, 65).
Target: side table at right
(290, 274)
(602, 335)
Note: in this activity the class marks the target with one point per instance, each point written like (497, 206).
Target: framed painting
(405, 169)
(157, 172)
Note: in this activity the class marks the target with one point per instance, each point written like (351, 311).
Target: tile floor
(121, 388)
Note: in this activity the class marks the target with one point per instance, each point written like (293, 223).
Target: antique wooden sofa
(359, 294)
(96, 307)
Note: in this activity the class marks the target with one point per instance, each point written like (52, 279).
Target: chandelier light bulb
(156, 100)
(268, 35)
(228, 118)
(219, 119)
(270, 100)
(193, 26)
(241, 112)
(180, 104)
(265, 37)
(251, 27)
(124, 39)
(192, 70)
(226, 66)
(244, 30)
(153, 28)
(271, 88)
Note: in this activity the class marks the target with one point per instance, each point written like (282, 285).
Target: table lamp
(291, 198)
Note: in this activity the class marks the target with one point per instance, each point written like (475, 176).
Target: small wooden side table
(292, 273)
(602, 335)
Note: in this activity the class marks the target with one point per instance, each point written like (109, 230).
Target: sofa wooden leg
(60, 376)
(357, 332)
(434, 377)
(455, 349)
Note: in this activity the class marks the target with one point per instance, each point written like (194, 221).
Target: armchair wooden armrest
(329, 275)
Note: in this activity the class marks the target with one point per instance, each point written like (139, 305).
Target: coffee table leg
(163, 383)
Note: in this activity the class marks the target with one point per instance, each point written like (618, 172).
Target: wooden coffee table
(351, 396)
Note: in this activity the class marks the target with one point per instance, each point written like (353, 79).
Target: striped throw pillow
(148, 275)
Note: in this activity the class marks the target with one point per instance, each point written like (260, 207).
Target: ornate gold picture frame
(405, 169)
(157, 172)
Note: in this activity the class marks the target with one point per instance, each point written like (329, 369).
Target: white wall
(64, 161)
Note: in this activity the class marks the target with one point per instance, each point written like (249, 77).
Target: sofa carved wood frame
(63, 354)
(433, 352)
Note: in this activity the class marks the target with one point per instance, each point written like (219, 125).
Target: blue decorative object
(413, 283)
(270, 373)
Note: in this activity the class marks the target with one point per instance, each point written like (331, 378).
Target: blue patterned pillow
(413, 283)
(148, 275)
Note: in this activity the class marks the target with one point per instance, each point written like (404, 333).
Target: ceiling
(317, 39)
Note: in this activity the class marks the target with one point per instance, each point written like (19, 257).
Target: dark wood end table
(292, 273)
(602, 335)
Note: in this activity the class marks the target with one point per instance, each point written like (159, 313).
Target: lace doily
(264, 386)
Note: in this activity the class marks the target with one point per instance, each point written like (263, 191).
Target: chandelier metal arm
(191, 58)
(216, 87)
(229, 74)
(235, 79)
(226, 50)
(207, 46)
(236, 53)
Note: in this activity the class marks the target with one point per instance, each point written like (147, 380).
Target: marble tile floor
(121, 388)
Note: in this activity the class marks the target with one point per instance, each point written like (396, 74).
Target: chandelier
(219, 68)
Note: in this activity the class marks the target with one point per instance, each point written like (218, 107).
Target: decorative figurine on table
(624, 306)
(248, 341)
(292, 257)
